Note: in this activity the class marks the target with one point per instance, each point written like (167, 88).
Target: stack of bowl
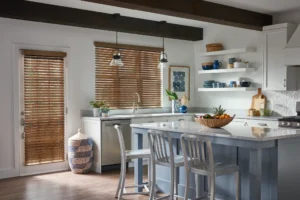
(207, 65)
(208, 84)
(218, 85)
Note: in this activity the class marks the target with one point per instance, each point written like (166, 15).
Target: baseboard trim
(9, 173)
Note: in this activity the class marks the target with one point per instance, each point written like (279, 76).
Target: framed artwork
(179, 80)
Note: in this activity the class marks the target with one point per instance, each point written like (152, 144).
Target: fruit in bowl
(219, 113)
(218, 120)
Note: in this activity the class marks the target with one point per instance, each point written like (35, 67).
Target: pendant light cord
(164, 44)
(117, 41)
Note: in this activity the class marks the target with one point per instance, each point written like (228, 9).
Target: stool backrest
(121, 141)
(160, 142)
(198, 149)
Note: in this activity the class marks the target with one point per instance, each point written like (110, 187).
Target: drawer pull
(180, 119)
(262, 124)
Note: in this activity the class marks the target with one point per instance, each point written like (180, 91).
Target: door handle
(113, 124)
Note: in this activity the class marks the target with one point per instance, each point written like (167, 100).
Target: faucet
(135, 108)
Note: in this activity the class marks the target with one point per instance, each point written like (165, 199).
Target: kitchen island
(268, 159)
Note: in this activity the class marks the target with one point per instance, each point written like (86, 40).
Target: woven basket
(214, 123)
(214, 47)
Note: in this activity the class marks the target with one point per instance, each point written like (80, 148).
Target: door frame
(17, 66)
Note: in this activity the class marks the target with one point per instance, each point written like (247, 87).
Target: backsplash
(284, 103)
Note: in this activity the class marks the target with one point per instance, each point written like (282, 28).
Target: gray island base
(269, 160)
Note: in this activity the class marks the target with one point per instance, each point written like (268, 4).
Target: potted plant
(104, 110)
(96, 107)
(175, 101)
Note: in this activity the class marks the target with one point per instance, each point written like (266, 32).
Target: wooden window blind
(116, 85)
(44, 107)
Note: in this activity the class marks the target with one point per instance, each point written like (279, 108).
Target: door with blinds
(42, 112)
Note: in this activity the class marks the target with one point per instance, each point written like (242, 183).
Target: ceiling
(271, 7)
(123, 11)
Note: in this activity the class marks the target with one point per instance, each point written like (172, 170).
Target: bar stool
(160, 144)
(126, 156)
(201, 163)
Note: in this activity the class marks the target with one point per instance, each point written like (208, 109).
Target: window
(44, 106)
(116, 85)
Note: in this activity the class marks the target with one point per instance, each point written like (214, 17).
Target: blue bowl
(207, 67)
(209, 82)
(207, 86)
(183, 109)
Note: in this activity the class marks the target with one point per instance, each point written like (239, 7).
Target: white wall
(284, 103)
(80, 71)
(231, 38)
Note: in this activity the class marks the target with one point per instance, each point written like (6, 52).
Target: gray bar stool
(161, 147)
(199, 162)
(126, 156)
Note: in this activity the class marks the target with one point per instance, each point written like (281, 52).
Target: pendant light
(163, 56)
(116, 59)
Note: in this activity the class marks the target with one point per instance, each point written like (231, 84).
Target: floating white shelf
(238, 89)
(233, 70)
(228, 52)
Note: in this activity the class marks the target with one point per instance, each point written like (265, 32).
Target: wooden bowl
(214, 123)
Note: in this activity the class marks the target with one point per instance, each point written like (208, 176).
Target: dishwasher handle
(117, 123)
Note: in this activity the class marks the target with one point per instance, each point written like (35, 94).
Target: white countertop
(130, 116)
(125, 116)
(229, 131)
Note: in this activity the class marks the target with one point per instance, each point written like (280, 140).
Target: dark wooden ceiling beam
(196, 10)
(26, 10)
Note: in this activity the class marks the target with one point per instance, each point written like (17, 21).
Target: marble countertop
(131, 116)
(271, 118)
(229, 131)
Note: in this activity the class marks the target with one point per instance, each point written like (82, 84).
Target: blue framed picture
(179, 80)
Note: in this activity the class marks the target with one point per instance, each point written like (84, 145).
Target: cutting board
(258, 101)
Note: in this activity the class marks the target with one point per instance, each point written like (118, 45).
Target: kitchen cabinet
(255, 123)
(157, 120)
(106, 145)
(276, 75)
(238, 122)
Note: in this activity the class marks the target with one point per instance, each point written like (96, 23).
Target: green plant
(105, 108)
(219, 111)
(172, 95)
(97, 104)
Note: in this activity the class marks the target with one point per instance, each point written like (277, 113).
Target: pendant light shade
(163, 57)
(116, 59)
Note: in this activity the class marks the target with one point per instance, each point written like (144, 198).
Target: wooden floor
(64, 185)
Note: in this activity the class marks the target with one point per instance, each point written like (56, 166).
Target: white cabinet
(156, 119)
(238, 122)
(255, 123)
(277, 76)
(262, 123)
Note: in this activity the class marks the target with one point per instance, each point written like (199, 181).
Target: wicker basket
(214, 123)
(214, 47)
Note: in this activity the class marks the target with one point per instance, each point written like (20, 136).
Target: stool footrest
(133, 193)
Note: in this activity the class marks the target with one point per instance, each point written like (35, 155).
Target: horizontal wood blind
(116, 85)
(44, 109)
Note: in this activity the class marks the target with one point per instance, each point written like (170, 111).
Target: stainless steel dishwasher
(110, 153)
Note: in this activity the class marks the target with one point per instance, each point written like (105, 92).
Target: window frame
(17, 89)
(139, 78)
